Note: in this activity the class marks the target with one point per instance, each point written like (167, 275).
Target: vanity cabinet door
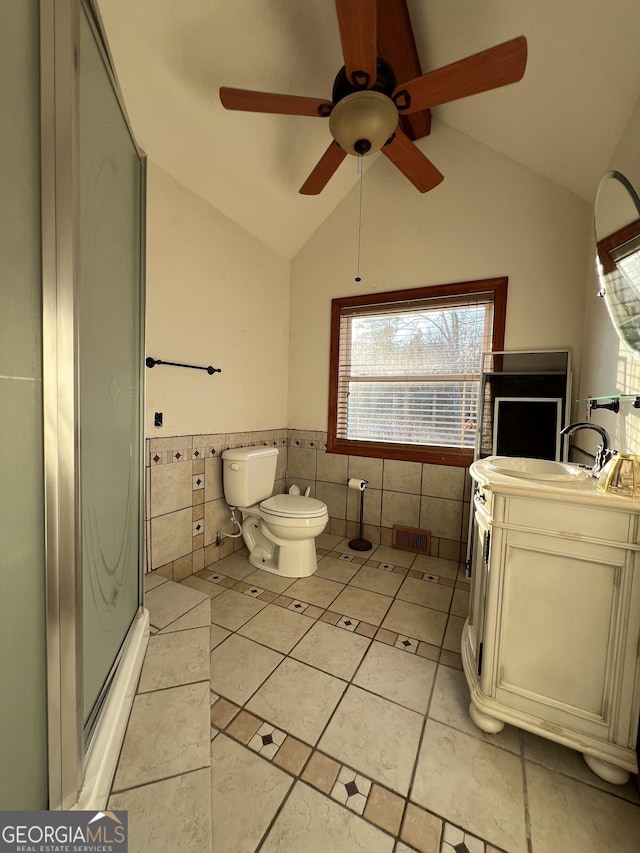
(479, 554)
(561, 636)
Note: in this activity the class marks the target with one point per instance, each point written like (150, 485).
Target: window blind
(627, 259)
(409, 372)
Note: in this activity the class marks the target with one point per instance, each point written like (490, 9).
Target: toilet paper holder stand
(360, 544)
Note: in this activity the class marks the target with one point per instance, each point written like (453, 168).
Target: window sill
(432, 455)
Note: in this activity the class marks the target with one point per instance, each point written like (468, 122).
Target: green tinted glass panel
(109, 380)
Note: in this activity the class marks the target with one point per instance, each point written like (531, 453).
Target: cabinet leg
(484, 722)
(608, 772)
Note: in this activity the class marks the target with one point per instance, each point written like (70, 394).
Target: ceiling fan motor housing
(385, 82)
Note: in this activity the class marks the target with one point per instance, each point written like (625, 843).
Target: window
(405, 370)
(619, 261)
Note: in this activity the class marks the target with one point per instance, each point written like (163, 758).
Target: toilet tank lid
(293, 506)
(240, 454)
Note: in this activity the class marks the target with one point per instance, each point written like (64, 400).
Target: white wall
(609, 368)
(215, 295)
(490, 217)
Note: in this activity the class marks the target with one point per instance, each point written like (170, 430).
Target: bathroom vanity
(552, 640)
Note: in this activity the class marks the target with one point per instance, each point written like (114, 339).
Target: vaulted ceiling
(171, 56)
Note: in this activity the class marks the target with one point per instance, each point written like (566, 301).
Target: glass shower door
(109, 371)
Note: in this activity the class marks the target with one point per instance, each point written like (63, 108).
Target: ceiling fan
(381, 99)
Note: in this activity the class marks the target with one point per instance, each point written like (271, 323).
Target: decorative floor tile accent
(421, 829)
(385, 636)
(267, 595)
(407, 644)
(267, 740)
(222, 712)
(400, 570)
(455, 840)
(347, 558)
(254, 591)
(348, 624)
(216, 578)
(330, 617)
(321, 772)
(292, 755)
(244, 726)
(298, 606)
(351, 790)
(366, 630)
(431, 578)
(387, 567)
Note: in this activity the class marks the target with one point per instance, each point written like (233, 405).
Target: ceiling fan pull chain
(361, 171)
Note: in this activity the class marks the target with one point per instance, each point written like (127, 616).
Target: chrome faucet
(603, 453)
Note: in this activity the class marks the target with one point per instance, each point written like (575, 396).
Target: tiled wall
(185, 507)
(433, 497)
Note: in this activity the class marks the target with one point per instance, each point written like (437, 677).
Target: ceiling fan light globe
(362, 117)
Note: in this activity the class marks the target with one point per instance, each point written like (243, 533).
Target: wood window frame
(434, 454)
(608, 245)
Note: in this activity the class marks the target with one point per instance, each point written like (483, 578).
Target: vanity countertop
(580, 490)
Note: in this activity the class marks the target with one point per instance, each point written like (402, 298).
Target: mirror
(617, 224)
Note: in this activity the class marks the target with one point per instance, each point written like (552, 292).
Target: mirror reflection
(617, 224)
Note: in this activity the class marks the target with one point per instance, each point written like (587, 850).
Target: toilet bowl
(280, 534)
(278, 530)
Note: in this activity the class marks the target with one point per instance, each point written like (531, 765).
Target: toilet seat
(292, 506)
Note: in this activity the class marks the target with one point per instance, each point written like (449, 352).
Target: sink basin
(537, 469)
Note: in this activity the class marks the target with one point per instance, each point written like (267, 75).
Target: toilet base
(293, 561)
(267, 564)
(296, 559)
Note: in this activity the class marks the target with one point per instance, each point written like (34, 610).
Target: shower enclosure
(93, 190)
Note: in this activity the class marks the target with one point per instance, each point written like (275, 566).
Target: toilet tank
(248, 474)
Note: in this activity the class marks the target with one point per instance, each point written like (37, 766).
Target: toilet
(278, 530)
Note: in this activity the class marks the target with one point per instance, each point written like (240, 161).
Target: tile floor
(337, 717)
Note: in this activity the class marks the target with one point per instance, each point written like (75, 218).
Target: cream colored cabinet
(551, 644)
(479, 567)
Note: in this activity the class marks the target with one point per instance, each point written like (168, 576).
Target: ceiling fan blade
(268, 102)
(324, 170)
(412, 162)
(357, 24)
(498, 66)
(397, 45)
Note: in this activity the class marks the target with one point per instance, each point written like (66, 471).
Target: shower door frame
(70, 750)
